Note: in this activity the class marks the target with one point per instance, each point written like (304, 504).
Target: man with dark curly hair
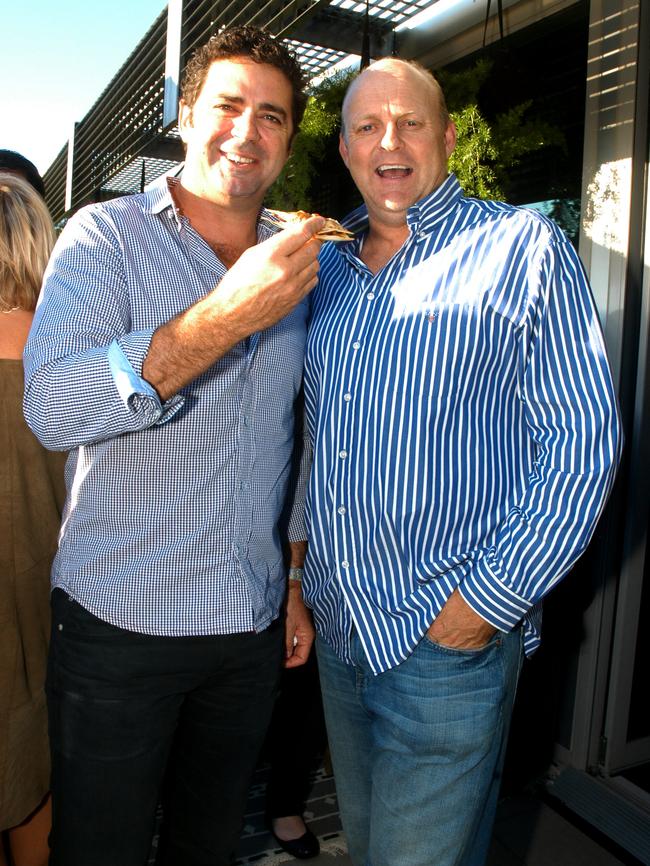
(166, 357)
(255, 45)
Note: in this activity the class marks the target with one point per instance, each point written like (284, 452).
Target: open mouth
(238, 159)
(393, 171)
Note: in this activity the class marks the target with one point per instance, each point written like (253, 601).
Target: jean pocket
(60, 607)
(72, 620)
(493, 643)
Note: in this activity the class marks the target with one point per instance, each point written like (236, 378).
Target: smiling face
(237, 133)
(395, 141)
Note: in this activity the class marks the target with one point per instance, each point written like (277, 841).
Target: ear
(185, 119)
(343, 150)
(450, 138)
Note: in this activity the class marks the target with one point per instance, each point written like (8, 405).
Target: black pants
(296, 740)
(126, 709)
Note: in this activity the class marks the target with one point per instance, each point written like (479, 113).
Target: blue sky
(56, 59)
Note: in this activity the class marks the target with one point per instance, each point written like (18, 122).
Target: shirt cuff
(490, 598)
(136, 393)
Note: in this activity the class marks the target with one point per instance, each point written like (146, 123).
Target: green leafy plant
(318, 133)
(474, 157)
(486, 151)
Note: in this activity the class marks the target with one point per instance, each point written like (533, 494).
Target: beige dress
(31, 499)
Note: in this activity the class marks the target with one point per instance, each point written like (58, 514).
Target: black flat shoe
(303, 848)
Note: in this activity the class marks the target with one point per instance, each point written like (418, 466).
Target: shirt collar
(422, 216)
(158, 197)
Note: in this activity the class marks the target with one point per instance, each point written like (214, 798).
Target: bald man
(465, 436)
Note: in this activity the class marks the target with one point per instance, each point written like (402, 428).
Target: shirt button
(356, 345)
(245, 421)
(345, 564)
(347, 397)
(343, 454)
(371, 296)
(341, 509)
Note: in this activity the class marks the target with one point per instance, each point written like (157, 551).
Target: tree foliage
(318, 132)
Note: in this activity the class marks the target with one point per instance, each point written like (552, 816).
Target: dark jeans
(126, 709)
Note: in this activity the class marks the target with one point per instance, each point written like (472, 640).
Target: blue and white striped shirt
(463, 420)
(171, 520)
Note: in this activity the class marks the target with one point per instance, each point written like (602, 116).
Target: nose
(244, 127)
(390, 138)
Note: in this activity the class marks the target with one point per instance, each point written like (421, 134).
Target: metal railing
(123, 139)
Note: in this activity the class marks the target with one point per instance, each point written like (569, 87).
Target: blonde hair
(26, 241)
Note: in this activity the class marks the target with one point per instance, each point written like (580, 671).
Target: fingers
(304, 257)
(296, 660)
(299, 628)
(307, 228)
(297, 235)
(268, 280)
(294, 250)
(304, 280)
(299, 655)
(308, 274)
(296, 645)
(312, 225)
(458, 625)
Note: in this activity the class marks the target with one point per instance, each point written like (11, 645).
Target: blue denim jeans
(125, 710)
(418, 750)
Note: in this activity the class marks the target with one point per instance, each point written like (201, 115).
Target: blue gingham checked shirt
(171, 521)
(464, 424)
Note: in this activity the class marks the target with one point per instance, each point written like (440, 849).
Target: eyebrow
(264, 106)
(365, 118)
(269, 106)
(362, 117)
